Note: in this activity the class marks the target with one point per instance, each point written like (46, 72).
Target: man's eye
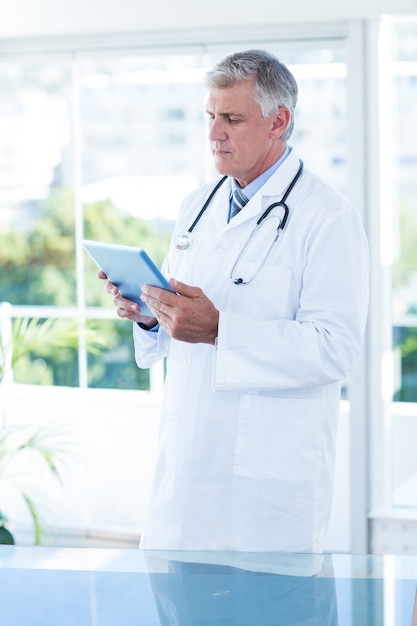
(233, 120)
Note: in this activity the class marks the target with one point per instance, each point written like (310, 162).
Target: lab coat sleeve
(150, 346)
(321, 340)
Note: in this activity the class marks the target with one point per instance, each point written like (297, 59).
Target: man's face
(243, 143)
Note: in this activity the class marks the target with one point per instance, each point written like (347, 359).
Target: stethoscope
(184, 242)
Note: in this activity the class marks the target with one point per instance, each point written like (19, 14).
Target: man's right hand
(126, 309)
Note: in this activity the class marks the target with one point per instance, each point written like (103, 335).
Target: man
(258, 336)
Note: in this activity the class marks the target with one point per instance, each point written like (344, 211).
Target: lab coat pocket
(265, 296)
(278, 438)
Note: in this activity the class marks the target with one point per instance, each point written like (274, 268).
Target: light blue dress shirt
(251, 189)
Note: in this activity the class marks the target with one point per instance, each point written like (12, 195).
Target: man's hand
(187, 315)
(126, 309)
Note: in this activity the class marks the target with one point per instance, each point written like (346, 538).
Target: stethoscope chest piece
(183, 243)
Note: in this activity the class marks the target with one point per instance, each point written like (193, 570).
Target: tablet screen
(128, 268)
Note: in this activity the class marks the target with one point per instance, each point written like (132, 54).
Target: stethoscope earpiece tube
(282, 201)
(207, 202)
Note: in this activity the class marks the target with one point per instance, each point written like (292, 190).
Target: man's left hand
(187, 315)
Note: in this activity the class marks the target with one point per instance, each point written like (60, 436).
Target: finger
(124, 303)
(154, 305)
(155, 293)
(155, 296)
(118, 299)
(111, 288)
(183, 289)
(151, 296)
(128, 312)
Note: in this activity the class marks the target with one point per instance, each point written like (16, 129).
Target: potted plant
(45, 443)
(6, 536)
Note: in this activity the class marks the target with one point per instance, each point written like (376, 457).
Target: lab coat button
(175, 418)
(182, 360)
(219, 248)
(168, 475)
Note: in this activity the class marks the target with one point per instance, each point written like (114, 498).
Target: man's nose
(217, 130)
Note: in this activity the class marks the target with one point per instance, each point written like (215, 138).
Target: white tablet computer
(127, 267)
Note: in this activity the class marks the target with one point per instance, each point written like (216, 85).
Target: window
(87, 142)
(85, 148)
(403, 420)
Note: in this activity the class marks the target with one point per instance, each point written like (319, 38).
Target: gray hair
(274, 85)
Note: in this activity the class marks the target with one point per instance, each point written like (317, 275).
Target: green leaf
(43, 336)
(51, 444)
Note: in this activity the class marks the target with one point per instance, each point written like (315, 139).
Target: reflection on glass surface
(266, 590)
(104, 587)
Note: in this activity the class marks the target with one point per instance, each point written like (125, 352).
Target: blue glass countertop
(106, 587)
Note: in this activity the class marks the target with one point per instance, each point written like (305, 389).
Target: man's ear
(280, 121)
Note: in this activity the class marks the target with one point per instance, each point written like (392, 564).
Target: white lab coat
(248, 428)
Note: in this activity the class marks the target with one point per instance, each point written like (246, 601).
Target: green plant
(29, 336)
(38, 336)
(6, 536)
(45, 444)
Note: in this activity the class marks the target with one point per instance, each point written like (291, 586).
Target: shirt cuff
(154, 329)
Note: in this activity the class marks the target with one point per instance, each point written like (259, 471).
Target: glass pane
(114, 367)
(405, 360)
(403, 427)
(36, 183)
(404, 465)
(142, 152)
(141, 116)
(404, 270)
(45, 351)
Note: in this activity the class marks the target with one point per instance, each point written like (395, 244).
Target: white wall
(111, 437)
(20, 18)
(110, 440)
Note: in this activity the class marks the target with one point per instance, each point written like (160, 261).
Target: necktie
(238, 202)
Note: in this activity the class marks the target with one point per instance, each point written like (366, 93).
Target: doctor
(263, 330)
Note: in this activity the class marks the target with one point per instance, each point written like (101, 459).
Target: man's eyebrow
(227, 114)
